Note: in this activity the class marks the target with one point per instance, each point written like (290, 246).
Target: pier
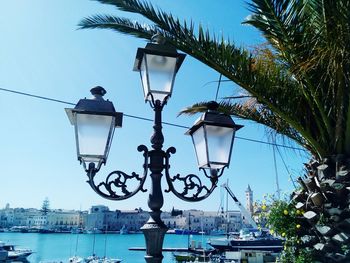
(165, 249)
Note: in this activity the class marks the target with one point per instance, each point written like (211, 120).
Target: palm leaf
(312, 37)
(250, 110)
(293, 77)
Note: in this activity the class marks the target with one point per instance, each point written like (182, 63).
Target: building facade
(62, 219)
(100, 219)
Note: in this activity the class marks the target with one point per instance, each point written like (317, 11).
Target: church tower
(249, 199)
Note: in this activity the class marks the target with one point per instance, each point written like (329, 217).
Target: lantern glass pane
(219, 145)
(161, 73)
(94, 136)
(144, 78)
(200, 146)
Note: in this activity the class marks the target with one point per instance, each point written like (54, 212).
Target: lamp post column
(154, 230)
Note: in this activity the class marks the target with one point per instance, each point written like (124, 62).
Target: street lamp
(158, 64)
(95, 119)
(213, 135)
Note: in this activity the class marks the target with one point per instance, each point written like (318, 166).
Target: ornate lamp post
(95, 120)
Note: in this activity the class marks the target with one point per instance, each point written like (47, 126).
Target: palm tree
(45, 208)
(297, 85)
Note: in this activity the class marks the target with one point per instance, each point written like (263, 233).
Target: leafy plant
(284, 220)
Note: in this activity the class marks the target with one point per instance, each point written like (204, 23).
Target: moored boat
(190, 257)
(194, 253)
(245, 256)
(186, 232)
(14, 253)
(248, 240)
(217, 232)
(76, 259)
(95, 259)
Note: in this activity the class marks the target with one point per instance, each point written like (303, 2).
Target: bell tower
(249, 199)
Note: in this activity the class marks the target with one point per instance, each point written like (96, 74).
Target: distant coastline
(99, 219)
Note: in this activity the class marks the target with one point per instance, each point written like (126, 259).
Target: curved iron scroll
(191, 183)
(118, 179)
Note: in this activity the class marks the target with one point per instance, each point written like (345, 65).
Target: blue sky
(43, 53)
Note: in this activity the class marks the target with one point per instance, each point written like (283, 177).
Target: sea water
(60, 247)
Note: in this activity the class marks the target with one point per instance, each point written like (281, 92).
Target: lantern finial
(213, 105)
(98, 91)
(158, 39)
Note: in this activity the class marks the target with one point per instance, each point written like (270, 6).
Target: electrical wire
(148, 119)
(270, 143)
(36, 96)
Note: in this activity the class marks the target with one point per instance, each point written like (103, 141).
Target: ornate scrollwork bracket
(118, 180)
(193, 188)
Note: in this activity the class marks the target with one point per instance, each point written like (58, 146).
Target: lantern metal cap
(213, 117)
(96, 105)
(98, 91)
(159, 50)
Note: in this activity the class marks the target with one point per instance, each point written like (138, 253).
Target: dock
(165, 249)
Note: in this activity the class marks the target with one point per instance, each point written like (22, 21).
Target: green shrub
(284, 220)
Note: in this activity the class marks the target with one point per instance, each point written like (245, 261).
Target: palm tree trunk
(324, 199)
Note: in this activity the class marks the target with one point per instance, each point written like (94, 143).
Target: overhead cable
(147, 119)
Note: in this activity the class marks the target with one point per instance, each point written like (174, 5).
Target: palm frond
(312, 37)
(297, 76)
(252, 110)
(266, 80)
(122, 25)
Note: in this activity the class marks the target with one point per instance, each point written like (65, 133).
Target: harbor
(129, 248)
(104, 236)
(61, 247)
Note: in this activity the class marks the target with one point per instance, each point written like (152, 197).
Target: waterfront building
(60, 219)
(96, 219)
(201, 221)
(102, 219)
(111, 221)
(174, 221)
(12, 217)
(3, 220)
(21, 215)
(6, 217)
(132, 220)
(196, 220)
(37, 221)
(99, 218)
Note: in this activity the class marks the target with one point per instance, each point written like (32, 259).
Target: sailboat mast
(105, 252)
(189, 230)
(94, 240)
(227, 218)
(278, 190)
